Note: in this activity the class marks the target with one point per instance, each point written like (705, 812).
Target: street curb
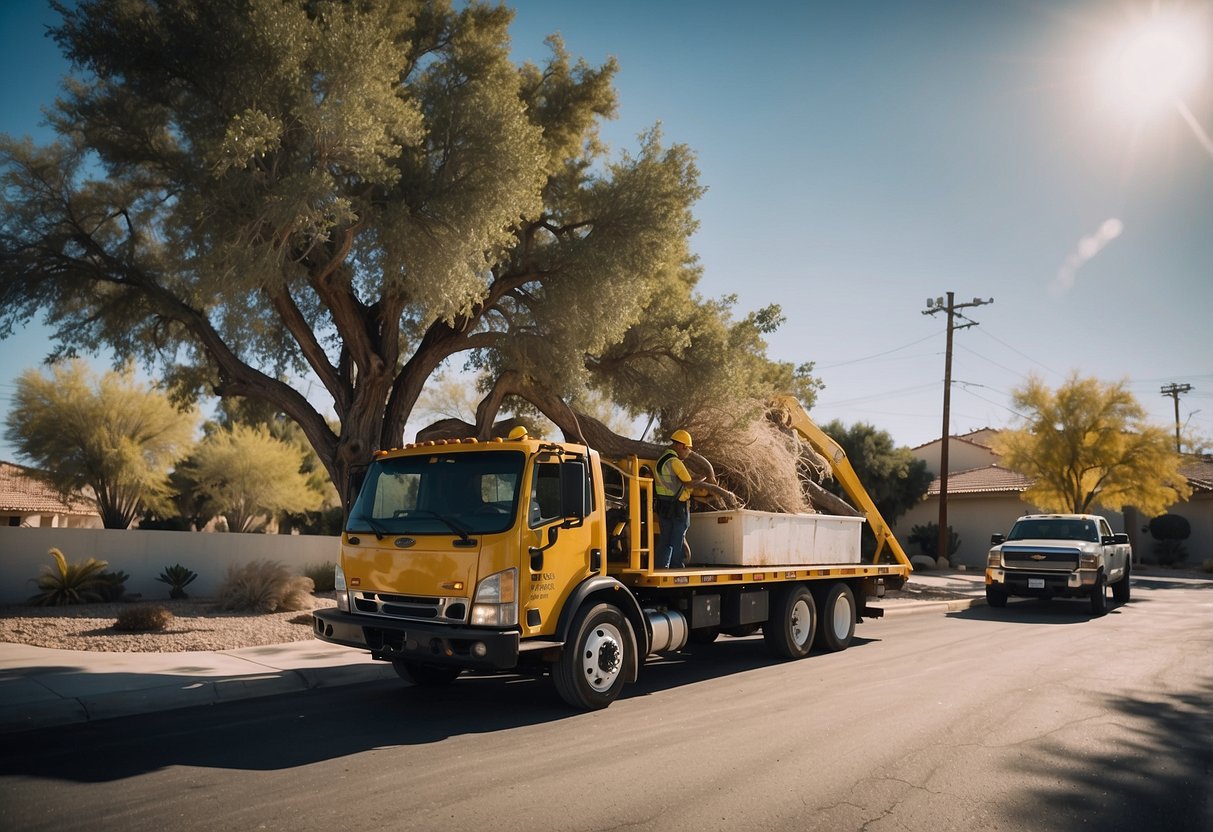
(917, 607)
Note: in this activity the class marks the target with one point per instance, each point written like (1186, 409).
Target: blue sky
(861, 157)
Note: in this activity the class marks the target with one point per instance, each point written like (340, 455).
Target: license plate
(1036, 583)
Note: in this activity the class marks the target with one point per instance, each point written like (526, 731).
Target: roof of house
(987, 479)
(1199, 474)
(967, 438)
(22, 491)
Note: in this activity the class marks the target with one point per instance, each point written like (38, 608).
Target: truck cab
(1059, 555)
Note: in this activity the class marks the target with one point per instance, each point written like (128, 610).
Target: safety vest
(667, 483)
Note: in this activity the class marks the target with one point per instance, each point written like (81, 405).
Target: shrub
(112, 585)
(143, 619)
(264, 586)
(69, 583)
(1169, 552)
(926, 537)
(322, 575)
(178, 578)
(1170, 527)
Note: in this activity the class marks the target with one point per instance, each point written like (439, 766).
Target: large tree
(113, 437)
(1088, 445)
(250, 190)
(894, 478)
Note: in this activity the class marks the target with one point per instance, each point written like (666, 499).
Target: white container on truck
(535, 557)
(1059, 555)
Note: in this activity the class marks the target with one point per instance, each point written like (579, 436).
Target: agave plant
(69, 583)
(178, 578)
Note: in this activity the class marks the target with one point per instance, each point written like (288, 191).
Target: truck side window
(545, 494)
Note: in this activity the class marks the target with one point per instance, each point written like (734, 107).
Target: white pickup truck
(1059, 555)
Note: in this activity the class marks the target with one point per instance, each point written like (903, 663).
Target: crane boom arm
(797, 419)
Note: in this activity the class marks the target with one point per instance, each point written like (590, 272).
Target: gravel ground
(196, 625)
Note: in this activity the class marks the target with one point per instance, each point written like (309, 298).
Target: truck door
(1114, 553)
(550, 575)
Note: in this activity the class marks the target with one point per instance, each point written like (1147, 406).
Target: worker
(518, 433)
(672, 487)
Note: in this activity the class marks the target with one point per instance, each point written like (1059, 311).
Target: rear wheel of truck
(1120, 589)
(789, 631)
(837, 622)
(996, 597)
(426, 675)
(589, 673)
(1099, 596)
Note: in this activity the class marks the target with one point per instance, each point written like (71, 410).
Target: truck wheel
(589, 673)
(1099, 596)
(426, 675)
(1120, 589)
(996, 597)
(789, 631)
(837, 623)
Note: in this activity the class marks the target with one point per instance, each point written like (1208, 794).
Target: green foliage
(893, 477)
(1170, 527)
(69, 583)
(264, 586)
(362, 191)
(1169, 551)
(322, 575)
(926, 538)
(247, 475)
(178, 578)
(143, 618)
(112, 585)
(112, 437)
(1088, 445)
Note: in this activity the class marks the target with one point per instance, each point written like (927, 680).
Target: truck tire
(1120, 589)
(589, 673)
(996, 597)
(1099, 596)
(836, 624)
(789, 631)
(426, 675)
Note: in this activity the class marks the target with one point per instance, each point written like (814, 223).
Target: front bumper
(392, 639)
(1030, 584)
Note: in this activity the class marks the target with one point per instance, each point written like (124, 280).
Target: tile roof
(22, 491)
(965, 438)
(988, 479)
(1199, 474)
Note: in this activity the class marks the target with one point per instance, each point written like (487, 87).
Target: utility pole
(1175, 391)
(950, 307)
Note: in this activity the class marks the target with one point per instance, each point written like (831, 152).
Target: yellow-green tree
(1088, 445)
(111, 437)
(248, 476)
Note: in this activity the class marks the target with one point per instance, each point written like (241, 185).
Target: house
(984, 499)
(26, 500)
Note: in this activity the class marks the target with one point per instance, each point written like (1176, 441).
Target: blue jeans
(669, 541)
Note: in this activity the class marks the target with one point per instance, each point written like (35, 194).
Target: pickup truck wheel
(996, 597)
(426, 675)
(589, 673)
(789, 631)
(1099, 596)
(1120, 589)
(837, 624)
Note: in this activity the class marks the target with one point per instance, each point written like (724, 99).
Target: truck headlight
(496, 601)
(994, 559)
(1088, 560)
(343, 597)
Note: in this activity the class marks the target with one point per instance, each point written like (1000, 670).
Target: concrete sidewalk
(42, 687)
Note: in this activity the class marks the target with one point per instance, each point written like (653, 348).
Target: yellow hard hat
(681, 436)
(518, 433)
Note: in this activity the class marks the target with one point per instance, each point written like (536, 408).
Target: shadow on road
(298, 729)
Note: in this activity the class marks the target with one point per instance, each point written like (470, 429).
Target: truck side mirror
(573, 492)
(995, 539)
(1107, 539)
(1121, 537)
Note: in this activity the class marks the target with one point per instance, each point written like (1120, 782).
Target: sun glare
(1154, 64)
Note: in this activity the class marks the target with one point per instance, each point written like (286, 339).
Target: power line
(874, 355)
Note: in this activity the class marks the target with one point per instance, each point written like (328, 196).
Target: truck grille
(1043, 558)
(417, 607)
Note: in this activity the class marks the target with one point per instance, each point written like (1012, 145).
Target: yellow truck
(534, 557)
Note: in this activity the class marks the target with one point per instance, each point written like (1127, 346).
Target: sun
(1153, 64)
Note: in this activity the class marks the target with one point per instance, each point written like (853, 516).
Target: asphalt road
(1035, 717)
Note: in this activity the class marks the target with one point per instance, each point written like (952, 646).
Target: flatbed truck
(535, 557)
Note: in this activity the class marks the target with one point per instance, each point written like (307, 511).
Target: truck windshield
(1055, 529)
(473, 492)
